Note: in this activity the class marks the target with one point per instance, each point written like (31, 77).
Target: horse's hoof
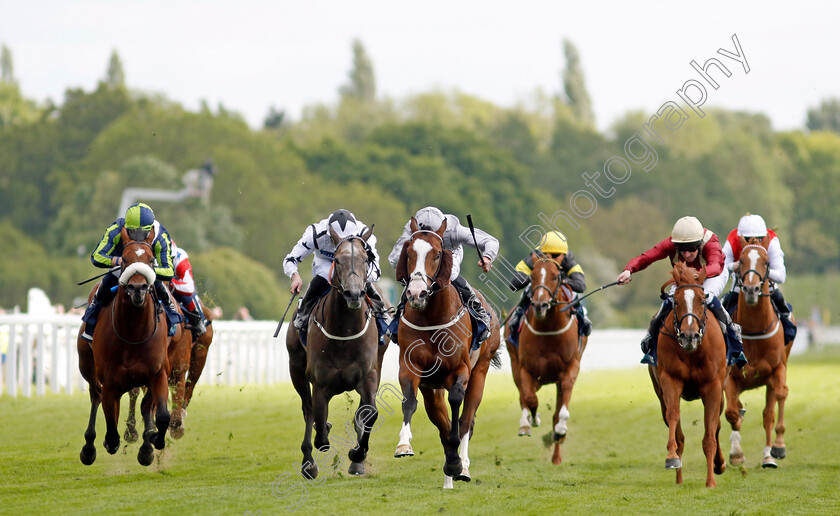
(146, 454)
(769, 462)
(357, 468)
(454, 469)
(736, 460)
(742, 412)
(535, 421)
(673, 463)
(159, 441)
(777, 452)
(464, 476)
(524, 431)
(558, 438)
(178, 432)
(309, 471)
(131, 435)
(404, 450)
(88, 454)
(111, 449)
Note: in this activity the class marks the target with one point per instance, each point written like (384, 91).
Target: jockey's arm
(574, 273)
(101, 255)
(374, 272)
(488, 245)
(394, 255)
(522, 277)
(304, 247)
(163, 255)
(729, 263)
(777, 272)
(713, 256)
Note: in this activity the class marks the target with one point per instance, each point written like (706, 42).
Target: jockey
(454, 238)
(693, 245)
(316, 239)
(185, 292)
(553, 246)
(749, 227)
(139, 220)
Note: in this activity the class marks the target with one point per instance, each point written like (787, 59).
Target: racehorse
(179, 354)
(198, 357)
(434, 340)
(549, 350)
(129, 350)
(691, 365)
(764, 346)
(342, 354)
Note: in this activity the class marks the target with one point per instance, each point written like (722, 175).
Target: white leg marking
(405, 434)
(465, 456)
(448, 483)
(560, 427)
(766, 452)
(525, 420)
(735, 442)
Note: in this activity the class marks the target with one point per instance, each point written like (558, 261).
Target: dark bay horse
(764, 346)
(179, 354)
(129, 350)
(434, 338)
(342, 354)
(692, 365)
(549, 350)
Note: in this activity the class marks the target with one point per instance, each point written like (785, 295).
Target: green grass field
(240, 440)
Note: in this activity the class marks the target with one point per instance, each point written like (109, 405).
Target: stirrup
(648, 359)
(739, 360)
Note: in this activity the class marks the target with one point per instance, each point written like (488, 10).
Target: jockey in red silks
(185, 292)
(695, 246)
(753, 226)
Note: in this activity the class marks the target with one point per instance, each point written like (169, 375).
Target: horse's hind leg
(145, 454)
(130, 435)
(88, 453)
(160, 392)
(198, 358)
(178, 381)
(733, 415)
(475, 392)
(781, 389)
(435, 402)
(408, 385)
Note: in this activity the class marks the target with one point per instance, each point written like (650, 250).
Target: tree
(7, 68)
(574, 85)
(274, 119)
(362, 84)
(115, 76)
(826, 117)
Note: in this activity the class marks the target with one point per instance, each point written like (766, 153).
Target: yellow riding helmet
(554, 242)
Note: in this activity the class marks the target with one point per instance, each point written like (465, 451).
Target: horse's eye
(438, 256)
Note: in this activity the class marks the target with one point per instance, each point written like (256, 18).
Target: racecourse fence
(39, 353)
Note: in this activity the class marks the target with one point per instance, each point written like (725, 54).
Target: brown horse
(129, 350)
(342, 354)
(691, 365)
(198, 357)
(549, 350)
(434, 338)
(179, 354)
(764, 346)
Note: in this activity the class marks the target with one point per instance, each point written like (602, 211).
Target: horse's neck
(754, 318)
(554, 318)
(339, 311)
(442, 307)
(134, 316)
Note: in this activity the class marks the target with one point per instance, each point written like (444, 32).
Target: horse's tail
(496, 360)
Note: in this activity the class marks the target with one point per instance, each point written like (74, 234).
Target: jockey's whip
(280, 324)
(472, 231)
(581, 298)
(98, 276)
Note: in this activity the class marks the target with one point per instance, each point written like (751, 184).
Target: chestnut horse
(692, 364)
(184, 354)
(129, 350)
(434, 337)
(549, 350)
(342, 354)
(764, 346)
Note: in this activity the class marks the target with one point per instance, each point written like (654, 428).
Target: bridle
(431, 285)
(700, 321)
(154, 306)
(334, 281)
(739, 278)
(552, 293)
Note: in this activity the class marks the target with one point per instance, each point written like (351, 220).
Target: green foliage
(115, 75)
(7, 67)
(362, 85)
(574, 86)
(826, 117)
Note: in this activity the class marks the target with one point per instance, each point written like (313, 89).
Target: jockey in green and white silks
(316, 241)
(455, 238)
(138, 221)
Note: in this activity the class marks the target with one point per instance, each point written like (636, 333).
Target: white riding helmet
(687, 230)
(429, 218)
(752, 226)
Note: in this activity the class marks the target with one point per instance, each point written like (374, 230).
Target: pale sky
(252, 54)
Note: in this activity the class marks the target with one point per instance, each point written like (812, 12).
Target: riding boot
(584, 324)
(651, 338)
(316, 289)
(382, 316)
(173, 318)
(395, 322)
(474, 305)
(784, 310)
(735, 348)
(103, 294)
(518, 313)
(730, 301)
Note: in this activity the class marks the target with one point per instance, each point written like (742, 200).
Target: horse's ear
(765, 242)
(412, 225)
(701, 276)
(442, 229)
(402, 264)
(535, 256)
(368, 233)
(675, 272)
(124, 236)
(445, 271)
(334, 236)
(743, 241)
(151, 236)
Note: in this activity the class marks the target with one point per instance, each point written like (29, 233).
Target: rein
(154, 330)
(739, 278)
(335, 283)
(553, 294)
(700, 321)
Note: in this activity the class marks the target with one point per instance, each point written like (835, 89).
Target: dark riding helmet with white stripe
(343, 222)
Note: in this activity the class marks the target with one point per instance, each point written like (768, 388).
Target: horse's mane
(685, 275)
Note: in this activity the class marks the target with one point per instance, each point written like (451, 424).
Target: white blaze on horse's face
(140, 252)
(417, 286)
(541, 298)
(689, 338)
(753, 289)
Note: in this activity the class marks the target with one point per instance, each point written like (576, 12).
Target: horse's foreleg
(145, 454)
(528, 401)
(711, 418)
(452, 466)
(472, 399)
(435, 403)
(779, 382)
(733, 415)
(297, 372)
(160, 392)
(320, 409)
(671, 389)
(177, 380)
(408, 384)
(88, 453)
(111, 409)
(365, 418)
(564, 399)
(130, 434)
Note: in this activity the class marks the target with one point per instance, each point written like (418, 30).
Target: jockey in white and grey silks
(455, 238)
(316, 240)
